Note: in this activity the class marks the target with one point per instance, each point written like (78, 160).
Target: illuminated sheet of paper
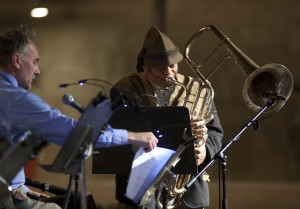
(145, 167)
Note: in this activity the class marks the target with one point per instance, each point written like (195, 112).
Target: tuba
(270, 79)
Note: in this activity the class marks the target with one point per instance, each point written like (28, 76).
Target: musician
(158, 60)
(24, 111)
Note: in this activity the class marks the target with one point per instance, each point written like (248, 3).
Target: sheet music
(145, 167)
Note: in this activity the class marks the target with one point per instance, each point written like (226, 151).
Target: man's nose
(167, 70)
(37, 72)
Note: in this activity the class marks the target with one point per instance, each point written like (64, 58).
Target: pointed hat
(159, 49)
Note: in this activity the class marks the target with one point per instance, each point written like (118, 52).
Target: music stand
(29, 148)
(168, 125)
(166, 178)
(78, 146)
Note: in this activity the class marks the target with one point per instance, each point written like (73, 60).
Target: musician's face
(158, 75)
(27, 66)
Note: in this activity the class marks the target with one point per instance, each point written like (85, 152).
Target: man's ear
(16, 60)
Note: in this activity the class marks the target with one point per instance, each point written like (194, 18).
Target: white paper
(145, 167)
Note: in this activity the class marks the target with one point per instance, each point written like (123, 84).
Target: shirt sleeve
(55, 126)
(30, 112)
(112, 137)
(25, 188)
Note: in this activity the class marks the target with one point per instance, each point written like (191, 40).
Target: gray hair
(13, 41)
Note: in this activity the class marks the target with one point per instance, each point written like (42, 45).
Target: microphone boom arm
(220, 154)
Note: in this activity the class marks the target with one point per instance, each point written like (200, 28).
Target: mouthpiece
(170, 79)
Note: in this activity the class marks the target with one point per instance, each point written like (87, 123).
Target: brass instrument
(199, 110)
(274, 79)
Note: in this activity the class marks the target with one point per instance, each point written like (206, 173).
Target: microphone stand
(222, 156)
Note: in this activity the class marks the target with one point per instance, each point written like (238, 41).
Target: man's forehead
(163, 66)
(31, 43)
(32, 47)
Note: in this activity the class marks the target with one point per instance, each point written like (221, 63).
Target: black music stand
(29, 148)
(166, 178)
(78, 146)
(167, 123)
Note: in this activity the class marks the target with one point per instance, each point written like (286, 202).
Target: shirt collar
(9, 77)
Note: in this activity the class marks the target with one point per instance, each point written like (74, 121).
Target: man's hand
(142, 139)
(36, 195)
(200, 152)
(200, 131)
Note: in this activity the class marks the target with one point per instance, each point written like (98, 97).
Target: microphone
(83, 81)
(69, 100)
(64, 85)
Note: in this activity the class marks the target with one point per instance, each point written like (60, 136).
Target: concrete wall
(100, 39)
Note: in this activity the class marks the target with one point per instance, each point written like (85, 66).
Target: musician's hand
(143, 139)
(200, 152)
(200, 131)
(36, 195)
